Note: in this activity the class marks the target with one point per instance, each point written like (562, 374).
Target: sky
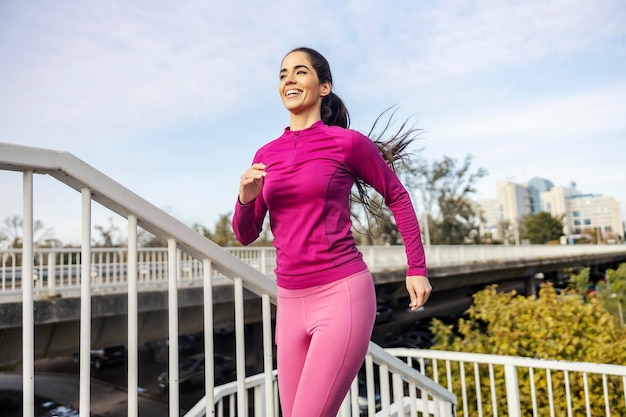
(172, 99)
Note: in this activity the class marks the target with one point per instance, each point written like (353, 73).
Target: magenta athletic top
(310, 174)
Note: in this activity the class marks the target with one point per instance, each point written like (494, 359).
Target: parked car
(52, 409)
(383, 314)
(157, 349)
(105, 356)
(186, 343)
(191, 371)
(414, 339)
(363, 407)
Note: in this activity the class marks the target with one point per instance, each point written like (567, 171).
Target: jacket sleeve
(367, 163)
(248, 218)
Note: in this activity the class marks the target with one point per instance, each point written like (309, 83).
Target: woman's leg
(292, 345)
(322, 340)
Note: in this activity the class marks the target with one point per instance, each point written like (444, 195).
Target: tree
(222, 233)
(551, 326)
(449, 186)
(381, 230)
(507, 231)
(580, 282)
(12, 232)
(541, 227)
(613, 291)
(109, 235)
(148, 240)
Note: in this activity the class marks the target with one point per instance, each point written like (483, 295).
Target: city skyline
(172, 101)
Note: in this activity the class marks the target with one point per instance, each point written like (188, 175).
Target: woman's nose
(289, 78)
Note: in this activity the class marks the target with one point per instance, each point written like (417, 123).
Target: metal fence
(494, 385)
(186, 251)
(109, 266)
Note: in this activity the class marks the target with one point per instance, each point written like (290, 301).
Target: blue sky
(172, 99)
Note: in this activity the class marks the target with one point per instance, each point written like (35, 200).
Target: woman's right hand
(251, 183)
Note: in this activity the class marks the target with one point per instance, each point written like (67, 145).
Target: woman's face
(299, 87)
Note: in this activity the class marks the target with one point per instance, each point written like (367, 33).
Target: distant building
(589, 214)
(491, 217)
(583, 214)
(500, 217)
(536, 186)
(554, 201)
(515, 200)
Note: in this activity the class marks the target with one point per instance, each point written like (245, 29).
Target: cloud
(563, 119)
(454, 40)
(109, 69)
(119, 67)
(142, 90)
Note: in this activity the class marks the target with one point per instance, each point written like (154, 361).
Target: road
(107, 400)
(57, 379)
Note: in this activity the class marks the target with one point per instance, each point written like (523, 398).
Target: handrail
(95, 186)
(109, 264)
(522, 385)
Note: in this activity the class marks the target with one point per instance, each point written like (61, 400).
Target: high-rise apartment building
(491, 218)
(589, 214)
(536, 186)
(581, 213)
(500, 217)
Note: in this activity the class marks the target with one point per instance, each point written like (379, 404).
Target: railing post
(512, 391)
(28, 306)
(133, 326)
(268, 361)
(52, 276)
(368, 256)
(240, 355)
(264, 260)
(84, 399)
(172, 297)
(209, 351)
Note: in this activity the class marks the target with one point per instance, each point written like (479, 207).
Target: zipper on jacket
(296, 145)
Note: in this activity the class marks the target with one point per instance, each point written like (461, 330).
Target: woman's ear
(325, 88)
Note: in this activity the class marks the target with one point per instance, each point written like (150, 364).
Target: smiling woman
(326, 304)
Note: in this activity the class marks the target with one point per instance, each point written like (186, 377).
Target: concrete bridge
(57, 301)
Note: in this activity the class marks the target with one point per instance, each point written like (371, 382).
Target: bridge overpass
(57, 301)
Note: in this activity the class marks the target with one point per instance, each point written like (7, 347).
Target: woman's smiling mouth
(291, 92)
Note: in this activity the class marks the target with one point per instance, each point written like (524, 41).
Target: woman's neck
(301, 121)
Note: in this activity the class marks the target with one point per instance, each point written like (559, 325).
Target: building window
(608, 229)
(576, 222)
(587, 222)
(576, 213)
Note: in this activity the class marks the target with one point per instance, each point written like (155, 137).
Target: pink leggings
(322, 335)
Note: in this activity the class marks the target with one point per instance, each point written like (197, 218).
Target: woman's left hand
(419, 289)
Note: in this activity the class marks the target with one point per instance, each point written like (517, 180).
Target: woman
(326, 303)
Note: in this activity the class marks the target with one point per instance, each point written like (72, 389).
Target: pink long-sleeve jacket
(310, 174)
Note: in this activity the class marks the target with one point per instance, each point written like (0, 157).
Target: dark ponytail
(334, 112)
(394, 151)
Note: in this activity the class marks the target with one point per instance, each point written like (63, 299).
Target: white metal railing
(209, 260)
(492, 385)
(387, 382)
(109, 271)
(109, 265)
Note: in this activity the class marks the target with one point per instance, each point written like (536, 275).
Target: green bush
(565, 326)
